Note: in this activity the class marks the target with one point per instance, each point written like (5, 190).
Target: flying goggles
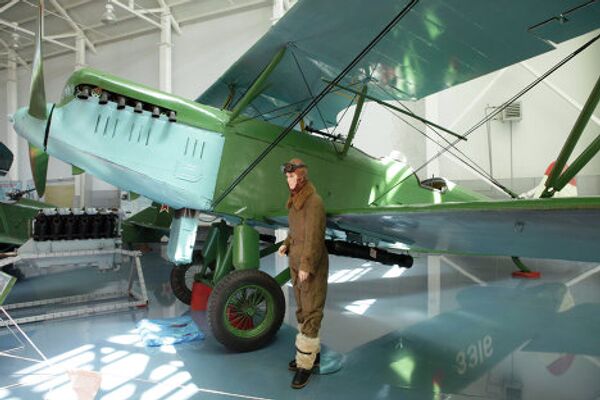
(291, 167)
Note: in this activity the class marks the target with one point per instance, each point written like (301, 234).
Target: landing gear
(182, 278)
(524, 272)
(246, 306)
(246, 309)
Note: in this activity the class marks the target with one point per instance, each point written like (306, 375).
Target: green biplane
(221, 154)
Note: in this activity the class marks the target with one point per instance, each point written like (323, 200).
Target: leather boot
(301, 378)
(307, 349)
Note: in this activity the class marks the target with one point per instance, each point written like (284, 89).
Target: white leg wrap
(306, 350)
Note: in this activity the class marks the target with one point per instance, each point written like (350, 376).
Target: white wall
(547, 117)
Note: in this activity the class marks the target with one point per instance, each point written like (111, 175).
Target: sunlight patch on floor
(360, 306)
(394, 272)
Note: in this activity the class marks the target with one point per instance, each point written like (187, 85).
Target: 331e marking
(474, 355)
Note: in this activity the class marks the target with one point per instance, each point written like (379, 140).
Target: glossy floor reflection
(450, 327)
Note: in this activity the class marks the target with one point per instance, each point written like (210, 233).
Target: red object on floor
(200, 294)
(561, 365)
(527, 275)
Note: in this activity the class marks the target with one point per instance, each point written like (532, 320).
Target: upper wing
(567, 228)
(438, 44)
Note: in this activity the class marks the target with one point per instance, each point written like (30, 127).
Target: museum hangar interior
(149, 249)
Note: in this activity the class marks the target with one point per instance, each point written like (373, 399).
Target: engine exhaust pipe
(345, 249)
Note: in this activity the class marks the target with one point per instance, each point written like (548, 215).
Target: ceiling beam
(8, 5)
(225, 11)
(19, 59)
(136, 12)
(27, 31)
(189, 20)
(73, 24)
(67, 35)
(166, 9)
(33, 18)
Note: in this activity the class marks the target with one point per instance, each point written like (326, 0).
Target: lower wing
(561, 228)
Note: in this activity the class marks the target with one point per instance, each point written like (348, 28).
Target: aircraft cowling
(170, 163)
(31, 128)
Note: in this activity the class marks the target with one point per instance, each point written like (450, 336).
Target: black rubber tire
(217, 304)
(181, 284)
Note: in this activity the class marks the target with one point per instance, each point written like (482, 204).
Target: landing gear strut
(246, 306)
(524, 272)
(183, 277)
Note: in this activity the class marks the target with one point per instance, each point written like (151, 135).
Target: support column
(281, 263)
(431, 149)
(434, 283)
(79, 51)
(82, 181)
(278, 10)
(165, 60)
(12, 140)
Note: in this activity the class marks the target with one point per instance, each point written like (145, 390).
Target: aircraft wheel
(245, 310)
(182, 278)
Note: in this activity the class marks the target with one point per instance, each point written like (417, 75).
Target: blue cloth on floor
(158, 332)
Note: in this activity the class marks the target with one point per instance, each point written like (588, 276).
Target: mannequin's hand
(282, 250)
(303, 276)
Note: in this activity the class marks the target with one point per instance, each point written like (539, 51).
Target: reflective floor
(450, 327)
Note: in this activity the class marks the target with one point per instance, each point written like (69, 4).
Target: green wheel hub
(249, 311)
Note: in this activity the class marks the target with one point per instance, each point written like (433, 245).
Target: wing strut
(557, 178)
(257, 86)
(512, 99)
(317, 99)
(410, 114)
(355, 119)
(499, 109)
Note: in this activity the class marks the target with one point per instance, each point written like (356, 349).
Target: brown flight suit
(307, 252)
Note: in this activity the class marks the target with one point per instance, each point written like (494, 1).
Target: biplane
(221, 153)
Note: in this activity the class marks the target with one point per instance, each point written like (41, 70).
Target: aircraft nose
(30, 128)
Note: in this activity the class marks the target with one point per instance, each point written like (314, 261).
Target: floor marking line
(593, 360)
(583, 276)
(198, 389)
(3, 354)
(11, 386)
(462, 271)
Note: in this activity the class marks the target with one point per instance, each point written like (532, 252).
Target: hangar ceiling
(64, 19)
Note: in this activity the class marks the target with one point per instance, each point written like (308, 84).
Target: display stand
(105, 302)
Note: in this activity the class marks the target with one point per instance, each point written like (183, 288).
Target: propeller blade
(38, 160)
(37, 93)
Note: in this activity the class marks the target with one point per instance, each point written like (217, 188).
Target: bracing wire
(470, 163)
(497, 111)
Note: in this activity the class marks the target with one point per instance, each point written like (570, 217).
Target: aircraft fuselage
(184, 154)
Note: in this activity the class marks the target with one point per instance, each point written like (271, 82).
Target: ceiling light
(109, 17)
(15, 40)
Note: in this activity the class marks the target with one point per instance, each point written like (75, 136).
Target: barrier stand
(135, 298)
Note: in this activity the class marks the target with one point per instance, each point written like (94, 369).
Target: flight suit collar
(297, 200)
